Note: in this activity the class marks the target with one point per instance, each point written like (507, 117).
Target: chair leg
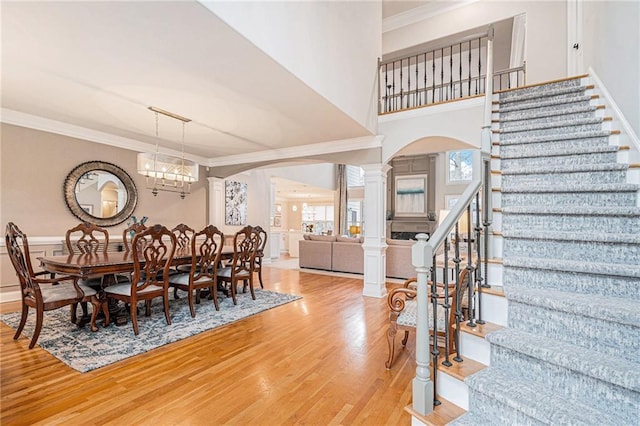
(391, 341)
(191, 308)
(74, 313)
(96, 308)
(214, 294)
(260, 277)
(105, 311)
(253, 293)
(233, 292)
(165, 300)
(36, 332)
(147, 308)
(133, 312)
(406, 338)
(175, 293)
(23, 321)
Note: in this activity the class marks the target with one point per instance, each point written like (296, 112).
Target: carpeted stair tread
(596, 268)
(567, 168)
(572, 188)
(599, 237)
(511, 117)
(535, 401)
(589, 149)
(618, 371)
(622, 311)
(551, 125)
(558, 137)
(631, 211)
(516, 105)
(528, 93)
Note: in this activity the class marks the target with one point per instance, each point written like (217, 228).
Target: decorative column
(216, 202)
(375, 245)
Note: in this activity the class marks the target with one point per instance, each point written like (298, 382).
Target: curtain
(341, 184)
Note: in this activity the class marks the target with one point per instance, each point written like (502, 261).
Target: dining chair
(130, 232)
(44, 294)
(262, 242)
(184, 234)
(403, 312)
(241, 266)
(206, 250)
(87, 238)
(150, 278)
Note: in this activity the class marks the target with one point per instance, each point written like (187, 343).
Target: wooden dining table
(107, 266)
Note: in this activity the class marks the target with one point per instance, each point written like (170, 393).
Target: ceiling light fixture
(166, 172)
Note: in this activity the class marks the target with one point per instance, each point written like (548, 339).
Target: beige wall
(34, 165)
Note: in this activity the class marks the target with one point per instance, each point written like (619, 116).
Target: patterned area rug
(84, 351)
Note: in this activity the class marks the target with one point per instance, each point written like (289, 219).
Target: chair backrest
(130, 232)
(245, 247)
(152, 260)
(262, 242)
(184, 234)
(206, 249)
(18, 250)
(81, 239)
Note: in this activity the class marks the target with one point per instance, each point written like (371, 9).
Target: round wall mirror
(100, 193)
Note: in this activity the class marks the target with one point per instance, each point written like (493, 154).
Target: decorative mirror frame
(73, 205)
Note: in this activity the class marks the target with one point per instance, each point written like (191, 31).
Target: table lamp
(354, 230)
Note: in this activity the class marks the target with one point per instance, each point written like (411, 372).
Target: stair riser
(555, 144)
(566, 85)
(554, 179)
(574, 223)
(582, 106)
(559, 160)
(615, 253)
(551, 131)
(578, 199)
(531, 102)
(607, 338)
(574, 282)
(566, 383)
(544, 122)
(499, 413)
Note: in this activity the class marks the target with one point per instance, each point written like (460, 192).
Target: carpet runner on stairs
(571, 256)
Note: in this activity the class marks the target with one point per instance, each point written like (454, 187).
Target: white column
(375, 245)
(421, 258)
(216, 202)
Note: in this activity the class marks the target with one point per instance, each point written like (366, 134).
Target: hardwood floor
(319, 360)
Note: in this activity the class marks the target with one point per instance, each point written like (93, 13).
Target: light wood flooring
(318, 360)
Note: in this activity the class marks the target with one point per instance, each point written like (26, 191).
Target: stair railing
(425, 260)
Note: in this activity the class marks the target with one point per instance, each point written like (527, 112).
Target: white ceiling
(99, 65)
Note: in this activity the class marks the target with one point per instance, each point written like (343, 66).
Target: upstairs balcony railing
(453, 72)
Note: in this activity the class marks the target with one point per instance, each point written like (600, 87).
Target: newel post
(422, 258)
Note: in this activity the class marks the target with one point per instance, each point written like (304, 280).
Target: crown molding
(35, 122)
(421, 13)
(344, 145)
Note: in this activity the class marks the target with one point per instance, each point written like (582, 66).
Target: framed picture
(87, 208)
(459, 166)
(235, 203)
(277, 221)
(411, 195)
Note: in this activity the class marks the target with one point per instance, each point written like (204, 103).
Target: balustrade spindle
(433, 76)
(469, 71)
(416, 98)
(387, 87)
(479, 66)
(393, 87)
(450, 94)
(401, 85)
(460, 68)
(441, 73)
(434, 347)
(445, 304)
(479, 278)
(425, 78)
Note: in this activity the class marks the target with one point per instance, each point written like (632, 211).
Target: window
(317, 219)
(459, 165)
(355, 176)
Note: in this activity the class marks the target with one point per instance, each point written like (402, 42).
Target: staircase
(570, 225)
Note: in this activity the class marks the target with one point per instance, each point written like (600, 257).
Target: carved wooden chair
(184, 234)
(262, 242)
(150, 277)
(245, 245)
(206, 250)
(87, 238)
(43, 294)
(403, 309)
(130, 232)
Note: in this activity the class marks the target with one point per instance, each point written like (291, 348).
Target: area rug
(84, 350)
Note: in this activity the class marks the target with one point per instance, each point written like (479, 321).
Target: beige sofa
(344, 254)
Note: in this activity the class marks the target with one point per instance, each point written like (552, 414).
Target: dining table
(108, 266)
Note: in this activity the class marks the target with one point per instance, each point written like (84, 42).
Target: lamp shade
(159, 166)
(354, 229)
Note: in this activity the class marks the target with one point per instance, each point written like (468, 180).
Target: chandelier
(166, 172)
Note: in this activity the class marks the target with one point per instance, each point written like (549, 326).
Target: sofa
(344, 254)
